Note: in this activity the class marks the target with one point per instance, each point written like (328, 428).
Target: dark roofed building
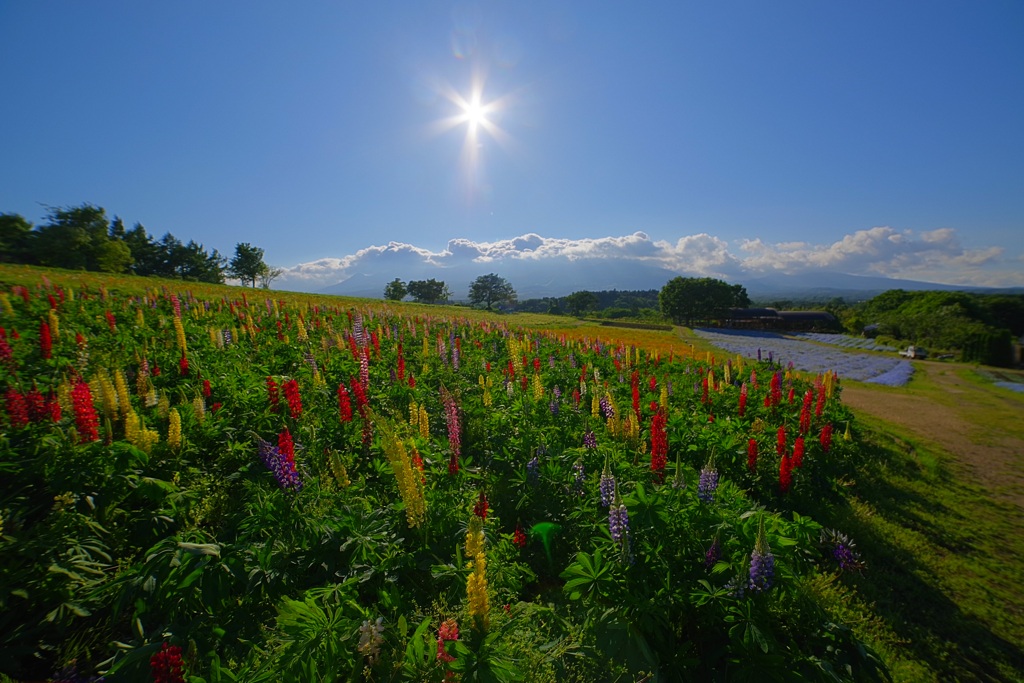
(771, 319)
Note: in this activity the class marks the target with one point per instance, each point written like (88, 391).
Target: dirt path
(979, 429)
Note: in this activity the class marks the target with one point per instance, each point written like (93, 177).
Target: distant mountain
(536, 279)
(532, 279)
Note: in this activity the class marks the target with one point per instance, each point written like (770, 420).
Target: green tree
(579, 303)
(395, 290)
(15, 238)
(687, 299)
(112, 256)
(247, 264)
(73, 238)
(491, 289)
(428, 291)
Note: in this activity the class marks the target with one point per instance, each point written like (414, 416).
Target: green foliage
(428, 291)
(247, 264)
(978, 326)
(395, 290)
(685, 300)
(491, 289)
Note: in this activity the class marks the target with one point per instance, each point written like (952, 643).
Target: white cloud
(935, 256)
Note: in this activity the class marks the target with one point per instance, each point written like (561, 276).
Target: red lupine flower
(360, 392)
(785, 473)
(634, 382)
(791, 396)
(272, 394)
(286, 445)
(820, 406)
(798, 452)
(481, 506)
(53, 408)
(45, 340)
(412, 381)
(86, 420)
(344, 404)
(36, 403)
(215, 407)
(183, 366)
(775, 390)
(805, 412)
(519, 537)
(659, 445)
(743, 399)
(53, 302)
(206, 388)
(166, 665)
(6, 352)
(111, 321)
(652, 383)
(291, 395)
(17, 408)
(417, 462)
(826, 437)
(401, 364)
(704, 390)
(536, 364)
(752, 454)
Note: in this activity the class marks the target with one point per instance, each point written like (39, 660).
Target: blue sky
(728, 139)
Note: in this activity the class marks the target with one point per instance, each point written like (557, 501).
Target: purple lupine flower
(283, 470)
(713, 554)
(708, 483)
(607, 410)
(533, 471)
(551, 361)
(572, 360)
(618, 523)
(578, 477)
(607, 487)
(843, 550)
(557, 392)
(227, 338)
(762, 562)
(590, 439)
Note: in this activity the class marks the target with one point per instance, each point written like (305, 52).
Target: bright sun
(474, 113)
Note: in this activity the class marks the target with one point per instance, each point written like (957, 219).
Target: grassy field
(937, 510)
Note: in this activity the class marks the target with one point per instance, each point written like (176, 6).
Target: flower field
(812, 357)
(224, 485)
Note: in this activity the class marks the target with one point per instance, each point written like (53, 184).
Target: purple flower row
(811, 357)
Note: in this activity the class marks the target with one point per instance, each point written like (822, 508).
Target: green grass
(941, 599)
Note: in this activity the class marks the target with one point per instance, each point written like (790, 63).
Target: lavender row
(845, 341)
(810, 357)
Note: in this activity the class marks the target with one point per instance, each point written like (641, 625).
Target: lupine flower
(762, 562)
(183, 366)
(659, 444)
(743, 399)
(345, 404)
(451, 413)
(713, 554)
(607, 486)
(86, 420)
(45, 340)
(589, 439)
(519, 539)
(273, 394)
(708, 482)
(752, 454)
(278, 463)
(370, 639)
(17, 408)
(578, 477)
(447, 632)
(785, 473)
(294, 399)
(174, 430)
(798, 452)
(826, 438)
(533, 471)
(166, 665)
(481, 506)
(6, 352)
(805, 412)
(618, 521)
(607, 409)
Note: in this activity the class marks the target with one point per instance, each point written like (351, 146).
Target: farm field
(213, 484)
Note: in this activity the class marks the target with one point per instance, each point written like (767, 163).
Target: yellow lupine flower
(179, 334)
(54, 324)
(474, 537)
(300, 328)
(424, 423)
(5, 301)
(663, 397)
(199, 408)
(538, 388)
(121, 386)
(163, 406)
(140, 319)
(174, 430)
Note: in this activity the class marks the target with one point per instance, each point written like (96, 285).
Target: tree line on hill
(83, 238)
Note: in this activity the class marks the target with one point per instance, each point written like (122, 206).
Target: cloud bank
(931, 256)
